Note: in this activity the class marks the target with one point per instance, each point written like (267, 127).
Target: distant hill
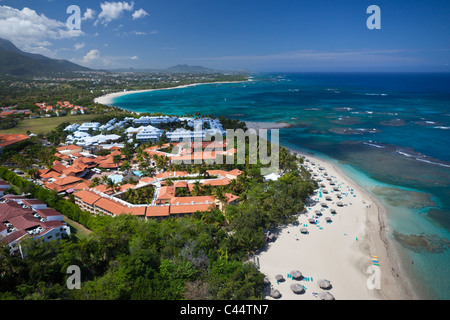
(13, 61)
(180, 68)
(184, 68)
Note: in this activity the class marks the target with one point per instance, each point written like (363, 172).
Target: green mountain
(179, 68)
(13, 61)
(184, 68)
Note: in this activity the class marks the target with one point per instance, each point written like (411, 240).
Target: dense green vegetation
(142, 195)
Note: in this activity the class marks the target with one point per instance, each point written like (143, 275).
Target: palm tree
(95, 182)
(111, 184)
(116, 160)
(196, 190)
(218, 193)
(207, 189)
(34, 173)
(104, 179)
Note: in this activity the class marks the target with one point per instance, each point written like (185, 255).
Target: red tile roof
(170, 174)
(190, 200)
(218, 182)
(9, 139)
(71, 147)
(166, 193)
(11, 209)
(110, 206)
(64, 184)
(157, 211)
(48, 212)
(87, 196)
(187, 209)
(231, 197)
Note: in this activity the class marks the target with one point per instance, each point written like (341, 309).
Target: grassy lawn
(77, 229)
(44, 125)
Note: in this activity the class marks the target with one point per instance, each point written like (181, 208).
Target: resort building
(155, 120)
(179, 135)
(66, 185)
(72, 128)
(149, 133)
(19, 221)
(85, 127)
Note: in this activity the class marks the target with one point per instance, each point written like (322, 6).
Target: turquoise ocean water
(388, 132)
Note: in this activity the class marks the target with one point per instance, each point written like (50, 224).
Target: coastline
(354, 257)
(108, 98)
(351, 260)
(393, 287)
(332, 253)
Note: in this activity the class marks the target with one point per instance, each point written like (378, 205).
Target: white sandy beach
(339, 251)
(107, 98)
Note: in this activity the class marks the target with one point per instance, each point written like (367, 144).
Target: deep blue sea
(389, 132)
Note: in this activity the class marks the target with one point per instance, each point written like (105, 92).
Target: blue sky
(263, 35)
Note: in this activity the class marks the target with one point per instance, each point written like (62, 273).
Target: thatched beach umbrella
(328, 198)
(275, 293)
(323, 204)
(326, 296)
(324, 191)
(332, 183)
(329, 179)
(322, 185)
(324, 284)
(311, 220)
(340, 204)
(317, 212)
(297, 288)
(303, 230)
(279, 277)
(333, 211)
(296, 274)
(335, 188)
(327, 219)
(266, 280)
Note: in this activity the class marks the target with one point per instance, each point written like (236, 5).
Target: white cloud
(134, 58)
(139, 14)
(79, 46)
(91, 57)
(89, 14)
(29, 30)
(112, 11)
